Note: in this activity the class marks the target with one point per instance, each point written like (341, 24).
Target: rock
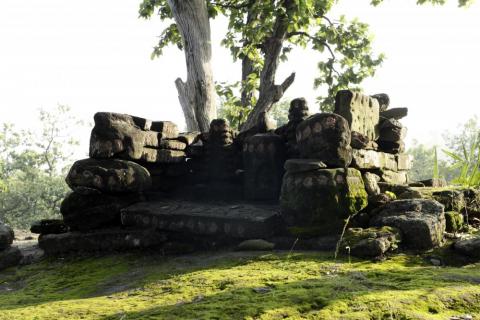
(383, 100)
(371, 242)
(303, 165)
(127, 137)
(255, 245)
(469, 247)
(453, 200)
(372, 160)
(163, 156)
(189, 138)
(391, 130)
(410, 194)
(10, 257)
(109, 176)
(167, 129)
(394, 113)
(359, 141)
(361, 112)
(404, 162)
(371, 183)
(317, 202)
(297, 112)
(392, 177)
(49, 226)
(391, 147)
(325, 137)
(454, 221)
(6, 236)
(88, 212)
(435, 182)
(263, 159)
(101, 240)
(422, 222)
(234, 221)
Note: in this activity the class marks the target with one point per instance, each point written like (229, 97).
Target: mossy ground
(238, 286)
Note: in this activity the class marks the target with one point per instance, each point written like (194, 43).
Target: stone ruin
(146, 185)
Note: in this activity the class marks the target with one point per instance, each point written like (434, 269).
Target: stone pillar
(263, 159)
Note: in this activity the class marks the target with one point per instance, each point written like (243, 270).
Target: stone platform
(232, 220)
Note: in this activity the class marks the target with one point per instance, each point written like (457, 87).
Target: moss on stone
(454, 221)
(238, 286)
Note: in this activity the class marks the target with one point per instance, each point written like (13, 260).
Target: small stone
(255, 245)
(6, 236)
(262, 290)
(49, 226)
(383, 100)
(469, 247)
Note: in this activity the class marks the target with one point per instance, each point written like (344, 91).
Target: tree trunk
(197, 94)
(269, 92)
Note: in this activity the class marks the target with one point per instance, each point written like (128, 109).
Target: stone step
(240, 221)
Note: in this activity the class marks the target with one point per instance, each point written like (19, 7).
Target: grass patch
(238, 286)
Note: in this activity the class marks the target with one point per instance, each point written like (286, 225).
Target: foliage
(425, 162)
(33, 166)
(279, 112)
(463, 150)
(238, 286)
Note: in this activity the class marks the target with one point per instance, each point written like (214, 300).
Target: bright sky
(95, 56)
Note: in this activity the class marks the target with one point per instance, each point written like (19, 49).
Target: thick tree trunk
(197, 94)
(269, 92)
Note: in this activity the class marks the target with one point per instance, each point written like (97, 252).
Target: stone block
(325, 137)
(392, 177)
(371, 183)
(263, 160)
(404, 161)
(303, 165)
(361, 111)
(10, 257)
(167, 129)
(94, 211)
(317, 202)
(162, 156)
(100, 241)
(49, 226)
(392, 130)
(240, 221)
(394, 113)
(371, 242)
(469, 247)
(373, 160)
(6, 236)
(421, 221)
(109, 176)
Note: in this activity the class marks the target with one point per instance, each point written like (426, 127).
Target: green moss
(454, 221)
(225, 286)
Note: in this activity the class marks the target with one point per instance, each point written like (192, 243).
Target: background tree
(261, 34)
(33, 166)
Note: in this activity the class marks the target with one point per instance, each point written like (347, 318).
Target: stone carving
(297, 113)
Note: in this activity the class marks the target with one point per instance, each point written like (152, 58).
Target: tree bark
(269, 92)
(197, 94)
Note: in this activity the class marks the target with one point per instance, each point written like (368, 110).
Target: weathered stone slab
(392, 177)
(392, 130)
(167, 129)
(163, 155)
(109, 119)
(325, 137)
(421, 221)
(10, 257)
(213, 219)
(404, 161)
(6, 236)
(453, 200)
(94, 211)
(109, 176)
(101, 240)
(371, 242)
(189, 137)
(383, 100)
(49, 226)
(371, 183)
(317, 202)
(361, 111)
(371, 160)
(469, 247)
(263, 160)
(303, 165)
(394, 113)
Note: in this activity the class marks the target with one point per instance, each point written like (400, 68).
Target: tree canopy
(261, 34)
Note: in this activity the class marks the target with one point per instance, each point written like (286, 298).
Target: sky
(95, 56)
